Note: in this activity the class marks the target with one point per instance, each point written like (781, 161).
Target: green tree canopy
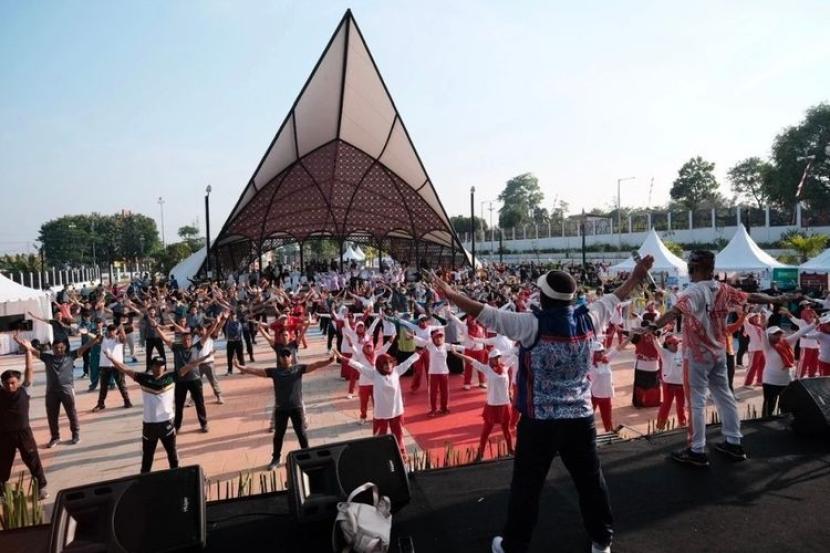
(190, 235)
(748, 179)
(695, 183)
(521, 195)
(809, 138)
(462, 224)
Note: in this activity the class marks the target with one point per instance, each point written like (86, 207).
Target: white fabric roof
(820, 263)
(188, 267)
(350, 255)
(16, 299)
(743, 254)
(346, 99)
(664, 260)
(359, 253)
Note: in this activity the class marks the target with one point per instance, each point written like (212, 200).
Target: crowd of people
(536, 340)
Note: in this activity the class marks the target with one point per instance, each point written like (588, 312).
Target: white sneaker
(599, 549)
(349, 396)
(466, 386)
(496, 547)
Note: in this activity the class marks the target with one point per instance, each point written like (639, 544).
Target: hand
(643, 267)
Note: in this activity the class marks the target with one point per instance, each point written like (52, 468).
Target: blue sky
(109, 105)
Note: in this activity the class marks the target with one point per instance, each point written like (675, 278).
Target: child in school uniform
(671, 359)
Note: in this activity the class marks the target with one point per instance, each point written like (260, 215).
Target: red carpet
(460, 428)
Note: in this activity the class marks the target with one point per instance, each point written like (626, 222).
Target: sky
(107, 106)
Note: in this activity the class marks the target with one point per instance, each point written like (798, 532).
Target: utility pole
(207, 230)
(492, 236)
(619, 210)
(473, 223)
(161, 207)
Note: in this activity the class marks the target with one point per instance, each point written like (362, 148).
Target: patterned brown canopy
(342, 166)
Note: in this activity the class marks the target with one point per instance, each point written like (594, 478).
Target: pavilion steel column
(473, 222)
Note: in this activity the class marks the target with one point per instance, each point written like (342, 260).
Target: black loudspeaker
(157, 511)
(320, 477)
(808, 400)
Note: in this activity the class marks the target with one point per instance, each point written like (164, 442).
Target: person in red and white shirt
(439, 372)
(422, 330)
(808, 362)
(822, 336)
(602, 381)
(497, 409)
(779, 369)
(386, 393)
(754, 327)
(671, 360)
(366, 356)
(353, 341)
(646, 391)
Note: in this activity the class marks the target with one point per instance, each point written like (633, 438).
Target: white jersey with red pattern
(705, 305)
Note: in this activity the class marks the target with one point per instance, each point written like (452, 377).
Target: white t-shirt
(208, 347)
(498, 385)
(386, 391)
(115, 348)
(438, 355)
(672, 362)
(602, 377)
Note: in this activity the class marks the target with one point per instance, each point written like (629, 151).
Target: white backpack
(363, 528)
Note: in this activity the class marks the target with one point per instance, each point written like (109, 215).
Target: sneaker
(92, 388)
(349, 396)
(467, 386)
(228, 373)
(42, 494)
(735, 452)
(483, 385)
(204, 429)
(496, 547)
(128, 405)
(98, 408)
(689, 457)
(273, 464)
(445, 411)
(432, 413)
(219, 400)
(75, 440)
(52, 443)
(251, 357)
(600, 549)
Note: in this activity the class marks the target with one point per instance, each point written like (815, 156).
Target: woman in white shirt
(779, 368)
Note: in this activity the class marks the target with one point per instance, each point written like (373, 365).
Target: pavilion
(341, 167)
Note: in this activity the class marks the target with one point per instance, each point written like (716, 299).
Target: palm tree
(806, 246)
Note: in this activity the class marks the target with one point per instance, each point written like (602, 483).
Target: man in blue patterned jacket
(554, 398)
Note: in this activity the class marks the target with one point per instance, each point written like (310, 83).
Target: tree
(190, 236)
(521, 195)
(748, 178)
(172, 255)
(674, 247)
(695, 183)
(462, 224)
(807, 246)
(28, 263)
(811, 137)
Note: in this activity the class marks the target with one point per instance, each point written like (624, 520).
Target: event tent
(742, 254)
(342, 167)
(818, 264)
(16, 299)
(359, 253)
(351, 255)
(187, 268)
(664, 260)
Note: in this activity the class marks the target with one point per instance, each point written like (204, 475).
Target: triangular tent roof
(743, 254)
(820, 263)
(359, 253)
(342, 165)
(664, 260)
(187, 269)
(12, 291)
(350, 255)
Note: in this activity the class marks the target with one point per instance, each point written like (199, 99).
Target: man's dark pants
(196, 392)
(538, 442)
(23, 441)
(282, 416)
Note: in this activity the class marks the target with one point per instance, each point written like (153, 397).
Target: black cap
(158, 361)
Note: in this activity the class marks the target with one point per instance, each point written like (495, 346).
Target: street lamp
(619, 209)
(473, 223)
(207, 229)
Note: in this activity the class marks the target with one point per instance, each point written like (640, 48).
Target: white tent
(358, 252)
(16, 299)
(188, 267)
(742, 254)
(818, 264)
(664, 260)
(350, 255)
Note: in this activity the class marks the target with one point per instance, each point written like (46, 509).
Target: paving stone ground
(239, 440)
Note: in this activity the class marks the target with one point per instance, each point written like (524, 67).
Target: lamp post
(207, 229)
(492, 237)
(161, 207)
(473, 223)
(619, 210)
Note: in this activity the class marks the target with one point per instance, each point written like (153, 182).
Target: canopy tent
(664, 260)
(16, 299)
(359, 253)
(742, 254)
(187, 269)
(818, 264)
(342, 166)
(351, 255)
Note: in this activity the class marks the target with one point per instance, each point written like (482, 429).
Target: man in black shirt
(60, 384)
(15, 430)
(288, 397)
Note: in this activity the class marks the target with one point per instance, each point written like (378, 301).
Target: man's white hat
(542, 283)
(774, 330)
(494, 353)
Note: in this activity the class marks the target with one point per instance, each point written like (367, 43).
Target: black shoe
(128, 405)
(689, 457)
(75, 440)
(204, 429)
(735, 452)
(274, 463)
(52, 443)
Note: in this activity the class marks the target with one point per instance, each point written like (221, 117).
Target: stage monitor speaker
(156, 511)
(321, 477)
(808, 400)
